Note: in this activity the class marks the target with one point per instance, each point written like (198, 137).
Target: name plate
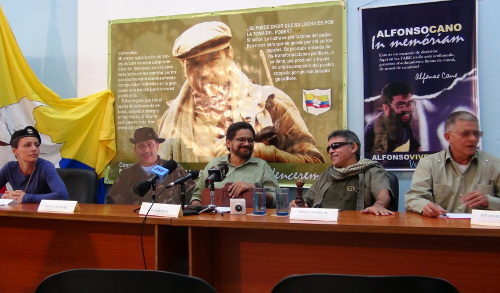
(161, 209)
(489, 218)
(60, 206)
(6, 202)
(314, 214)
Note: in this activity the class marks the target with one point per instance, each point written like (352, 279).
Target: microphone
(160, 172)
(217, 173)
(193, 174)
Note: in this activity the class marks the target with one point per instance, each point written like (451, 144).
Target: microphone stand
(211, 207)
(153, 192)
(185, 211)
(153, 195)
(183, 195)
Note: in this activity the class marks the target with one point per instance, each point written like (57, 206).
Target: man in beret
(146, 143)
(217, 94)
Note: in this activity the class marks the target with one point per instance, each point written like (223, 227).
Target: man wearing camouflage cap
(216, 94)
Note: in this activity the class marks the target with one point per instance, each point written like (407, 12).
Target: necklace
(29, 180)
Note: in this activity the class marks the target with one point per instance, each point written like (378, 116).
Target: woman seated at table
(32, 178)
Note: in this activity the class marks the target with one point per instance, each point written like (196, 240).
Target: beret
(28, 131)
(202, 38)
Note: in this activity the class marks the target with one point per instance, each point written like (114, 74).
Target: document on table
(456, 216)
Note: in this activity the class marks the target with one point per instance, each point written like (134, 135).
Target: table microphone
(193, 174)
(217, 173)
(160, 172)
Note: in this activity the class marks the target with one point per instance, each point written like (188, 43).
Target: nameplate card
(161, 210)
(6, 202)
(489, 218)
(59, 206)
(314, 214)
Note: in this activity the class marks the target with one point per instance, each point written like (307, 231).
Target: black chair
(394, 182)
(82, 184)
(373, 284)
(121, 281)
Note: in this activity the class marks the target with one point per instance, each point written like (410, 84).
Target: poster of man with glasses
(420, 65)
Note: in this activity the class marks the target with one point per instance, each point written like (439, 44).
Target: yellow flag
(76, 132)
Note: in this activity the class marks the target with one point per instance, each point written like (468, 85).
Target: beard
(403, 118)
(242, 153)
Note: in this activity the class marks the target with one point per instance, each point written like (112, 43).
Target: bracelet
(383, 204)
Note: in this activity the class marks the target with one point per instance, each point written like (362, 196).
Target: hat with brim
(28, 131)
(145, 133)
(202, 38)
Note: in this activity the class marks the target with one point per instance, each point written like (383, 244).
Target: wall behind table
(52, 32)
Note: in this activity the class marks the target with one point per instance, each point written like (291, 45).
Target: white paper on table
(456, 216)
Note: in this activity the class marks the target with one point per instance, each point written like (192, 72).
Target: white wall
(93, 16)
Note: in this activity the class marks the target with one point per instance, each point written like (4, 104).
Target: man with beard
(350, 183)
(244, 171)
(146, 143)
(458, 179)
(391, 131)
(216, 94)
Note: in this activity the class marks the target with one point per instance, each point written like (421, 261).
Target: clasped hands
(16, 195)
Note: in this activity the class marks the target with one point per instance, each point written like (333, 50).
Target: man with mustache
(216, 94)
(244, 171)
(146, 143)
(458, 179)
(391, 130)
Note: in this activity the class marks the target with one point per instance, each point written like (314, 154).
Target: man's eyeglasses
(336, 145)
(404, 106)
(465, 134)
(243, 140)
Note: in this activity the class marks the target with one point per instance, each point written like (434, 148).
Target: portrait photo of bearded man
(391, 130)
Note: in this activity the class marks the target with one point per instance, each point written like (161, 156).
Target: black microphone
(193, 174)
(160, 172)
(217, 173)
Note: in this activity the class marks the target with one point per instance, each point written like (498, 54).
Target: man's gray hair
(459, 115)
(349, 137)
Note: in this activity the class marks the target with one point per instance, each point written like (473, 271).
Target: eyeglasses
(241, 140)
(465, 134)
(336, 145)
(404, 106)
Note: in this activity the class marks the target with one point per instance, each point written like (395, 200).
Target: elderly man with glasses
(350, 183)
(245, 172)
(391, 130)
(458, 179)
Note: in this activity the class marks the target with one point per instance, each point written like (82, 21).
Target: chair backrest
(121, 281)
(82, 184)
(373, 284)
(394, 182)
